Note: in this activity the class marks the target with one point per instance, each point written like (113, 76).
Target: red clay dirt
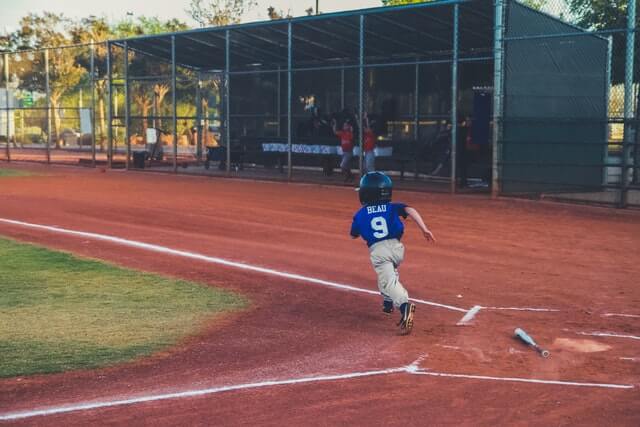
(582, 261)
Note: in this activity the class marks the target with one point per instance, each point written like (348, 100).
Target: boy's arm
(355, 233)
(415, 215)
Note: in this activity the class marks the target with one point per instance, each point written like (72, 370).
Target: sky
(12, 10)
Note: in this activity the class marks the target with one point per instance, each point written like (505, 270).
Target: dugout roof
(403, 34)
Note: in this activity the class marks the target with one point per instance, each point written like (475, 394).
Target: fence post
(416, 115)
(342, 94)
(361, 97)
(628, 102)
(93, 104)
(127, 113)
(174, 106)
(498, 81)
(110, 109)
(227, 97)
(607, 97)
(454, 100)
(199, 119)
(48, 94)
(6, 83)
(289, 95)
(278, 102)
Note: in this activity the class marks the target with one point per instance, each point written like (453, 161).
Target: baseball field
(143, 298)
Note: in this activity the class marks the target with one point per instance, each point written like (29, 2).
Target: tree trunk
(160, 91)
(103, 127)
(145, 122)
(158, 101)
(143, 103)
(55, 98)
(100, 88)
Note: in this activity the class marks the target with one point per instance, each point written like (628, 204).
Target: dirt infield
(583, 262)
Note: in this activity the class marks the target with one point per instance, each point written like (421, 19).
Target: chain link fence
(53, 104)
(570, 101)
(543, 104)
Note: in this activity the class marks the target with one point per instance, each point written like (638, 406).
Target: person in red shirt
(369, 146)
(346, 143)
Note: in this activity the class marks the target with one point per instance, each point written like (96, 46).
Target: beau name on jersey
(376, 209)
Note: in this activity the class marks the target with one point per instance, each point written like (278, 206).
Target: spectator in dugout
(346, 143)
(369, 144)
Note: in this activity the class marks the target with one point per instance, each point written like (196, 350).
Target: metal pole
(127, 115)
(93, 104)
(110, 109)
(342, 89)
(279, 101)
(317, 6)
(498, 80)
(289, 95)
(48, 94)
(174, 108)
(199, 119)
(628, 101)
(227, 93)
(607, 83)
(454, 100)
(361, 97)
(416, 108)
(416, 104)
(6, 82)
(116, 113)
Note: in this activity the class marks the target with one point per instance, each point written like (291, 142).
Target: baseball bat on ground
(522, 335)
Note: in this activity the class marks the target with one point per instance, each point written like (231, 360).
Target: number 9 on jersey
(379, 225)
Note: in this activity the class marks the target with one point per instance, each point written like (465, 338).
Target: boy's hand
(429, 236)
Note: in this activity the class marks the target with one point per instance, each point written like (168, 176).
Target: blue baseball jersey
(375, 223)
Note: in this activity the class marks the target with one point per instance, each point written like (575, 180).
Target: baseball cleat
(407, 311)
(387, 307)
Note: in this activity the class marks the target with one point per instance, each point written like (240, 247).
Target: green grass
(12, 172)
(59, 312)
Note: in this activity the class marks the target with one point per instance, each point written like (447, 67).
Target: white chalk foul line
(608, 334)
(522, 380)
(471, 314)
(412, 369)
(213, 260)
(621, 315)
(522, 309)
(191, 393)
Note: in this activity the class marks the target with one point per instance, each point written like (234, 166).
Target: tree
(536, 4)
(69, 67)
(400, 2)
(141, 98)
(219, 12)
(144, 25)
(49, 30)
(274, 14)
(95, 30)
(65, 74)
(600, 15)
(159, 91)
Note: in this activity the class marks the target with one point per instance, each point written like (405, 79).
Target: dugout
(256, 99)
(555, 112)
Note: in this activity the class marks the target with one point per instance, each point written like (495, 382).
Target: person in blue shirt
(378, 223)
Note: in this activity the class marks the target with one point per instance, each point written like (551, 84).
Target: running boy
(378, 223)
